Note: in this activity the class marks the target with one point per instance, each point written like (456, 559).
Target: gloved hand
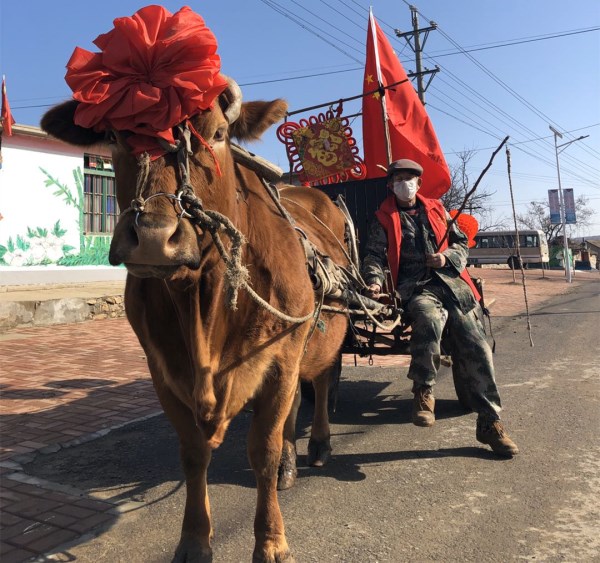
(374, 291)
(437, 260)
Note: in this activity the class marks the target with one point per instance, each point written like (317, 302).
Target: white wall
(25, 200)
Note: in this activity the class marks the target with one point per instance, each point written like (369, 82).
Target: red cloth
(155, 70)
(467, 224)
(411, 132)
(7, 118)
(389, 217)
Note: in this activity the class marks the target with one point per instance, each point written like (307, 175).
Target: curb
(25, 314)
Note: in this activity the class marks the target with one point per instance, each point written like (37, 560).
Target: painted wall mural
(44, 246)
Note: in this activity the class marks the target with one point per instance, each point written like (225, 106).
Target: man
(435, 290)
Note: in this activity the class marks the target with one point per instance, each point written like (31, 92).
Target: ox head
(152, 237)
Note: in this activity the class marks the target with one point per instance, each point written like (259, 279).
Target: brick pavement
(62, 385)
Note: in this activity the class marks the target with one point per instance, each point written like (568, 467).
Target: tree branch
(471, 192)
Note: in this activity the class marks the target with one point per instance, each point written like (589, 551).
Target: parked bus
(499, 247)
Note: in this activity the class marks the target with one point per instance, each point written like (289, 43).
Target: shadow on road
(129, 462)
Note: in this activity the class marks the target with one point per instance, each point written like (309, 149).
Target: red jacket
(389, 217)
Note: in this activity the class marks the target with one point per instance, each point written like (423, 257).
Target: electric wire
(341, 14)
(509, 43)
(298, 21)
(505, 86)
(330, 24)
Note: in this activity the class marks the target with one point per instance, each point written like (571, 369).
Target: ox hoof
(319, 453)
(286, 479)
(190, 551)
(283, 557)
(286, 474)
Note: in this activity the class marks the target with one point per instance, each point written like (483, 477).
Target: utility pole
(561, 199)
(413, 38)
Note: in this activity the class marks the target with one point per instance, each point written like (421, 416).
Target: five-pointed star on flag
(369, 78)
(376, 95)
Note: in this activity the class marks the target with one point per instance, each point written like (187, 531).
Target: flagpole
(388, 143)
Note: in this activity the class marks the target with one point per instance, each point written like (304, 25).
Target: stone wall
(107, 307)
(18, 314)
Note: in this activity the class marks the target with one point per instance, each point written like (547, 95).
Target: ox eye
(220, 134)
(110, 138)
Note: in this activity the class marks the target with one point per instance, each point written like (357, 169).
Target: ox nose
(153, 240)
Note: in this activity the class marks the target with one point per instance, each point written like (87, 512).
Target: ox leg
(319, 444)
(265, 441)
(196, 531)
(286, 477)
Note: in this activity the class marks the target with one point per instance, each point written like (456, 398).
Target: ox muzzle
(154, 244)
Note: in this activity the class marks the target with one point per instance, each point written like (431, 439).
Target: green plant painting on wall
(41, 246)
(38, 247)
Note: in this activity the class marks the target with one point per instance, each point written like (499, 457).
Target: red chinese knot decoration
(321, 149)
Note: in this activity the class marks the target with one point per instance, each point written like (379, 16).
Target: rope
(512, 201)
(357, 273)
(272, 191)
(236, 274)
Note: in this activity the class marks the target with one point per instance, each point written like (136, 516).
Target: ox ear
(256, 117)
(60, 123)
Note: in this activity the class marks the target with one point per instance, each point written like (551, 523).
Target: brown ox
(208, 360)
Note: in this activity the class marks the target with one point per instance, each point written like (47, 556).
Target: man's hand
(437, 260)
(374, 291)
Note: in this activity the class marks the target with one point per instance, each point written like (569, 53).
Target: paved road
(393, 492)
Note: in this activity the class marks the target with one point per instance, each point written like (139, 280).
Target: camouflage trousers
(464, 339)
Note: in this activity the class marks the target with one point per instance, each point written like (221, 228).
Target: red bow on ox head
(155, 70)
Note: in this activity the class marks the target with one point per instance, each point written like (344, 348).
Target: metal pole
(562, 209)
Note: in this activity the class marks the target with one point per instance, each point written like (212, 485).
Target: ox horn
(232, 97)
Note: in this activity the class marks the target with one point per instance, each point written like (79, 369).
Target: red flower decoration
(467, 224)
(155, 70)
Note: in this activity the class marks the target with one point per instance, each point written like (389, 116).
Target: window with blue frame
(100, 195)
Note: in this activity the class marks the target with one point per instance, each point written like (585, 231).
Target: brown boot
(492, 433)
(423, 405)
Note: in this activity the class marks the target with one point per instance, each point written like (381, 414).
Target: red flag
(7, 118)
(411, 133)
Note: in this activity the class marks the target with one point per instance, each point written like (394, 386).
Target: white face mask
(406, 190)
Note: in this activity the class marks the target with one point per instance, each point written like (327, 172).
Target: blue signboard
(569, 201)
(554, 207)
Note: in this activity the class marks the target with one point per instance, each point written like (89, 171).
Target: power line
(509, 43)
(482, 67)
(328, 23)
(505, 86)
(508, 118)
(341, 14)
(295, 19)
(527, 141)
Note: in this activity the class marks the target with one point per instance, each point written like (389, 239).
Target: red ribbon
(154, 71)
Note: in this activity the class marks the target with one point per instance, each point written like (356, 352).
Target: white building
(57, 210)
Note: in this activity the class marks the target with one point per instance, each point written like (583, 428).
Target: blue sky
(474, 101)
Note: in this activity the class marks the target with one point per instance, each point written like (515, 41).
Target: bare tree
(537, 216)
(479, 204)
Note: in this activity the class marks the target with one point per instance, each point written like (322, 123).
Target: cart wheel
(461, 386)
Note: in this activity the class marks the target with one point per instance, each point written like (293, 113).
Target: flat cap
(405, 164)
